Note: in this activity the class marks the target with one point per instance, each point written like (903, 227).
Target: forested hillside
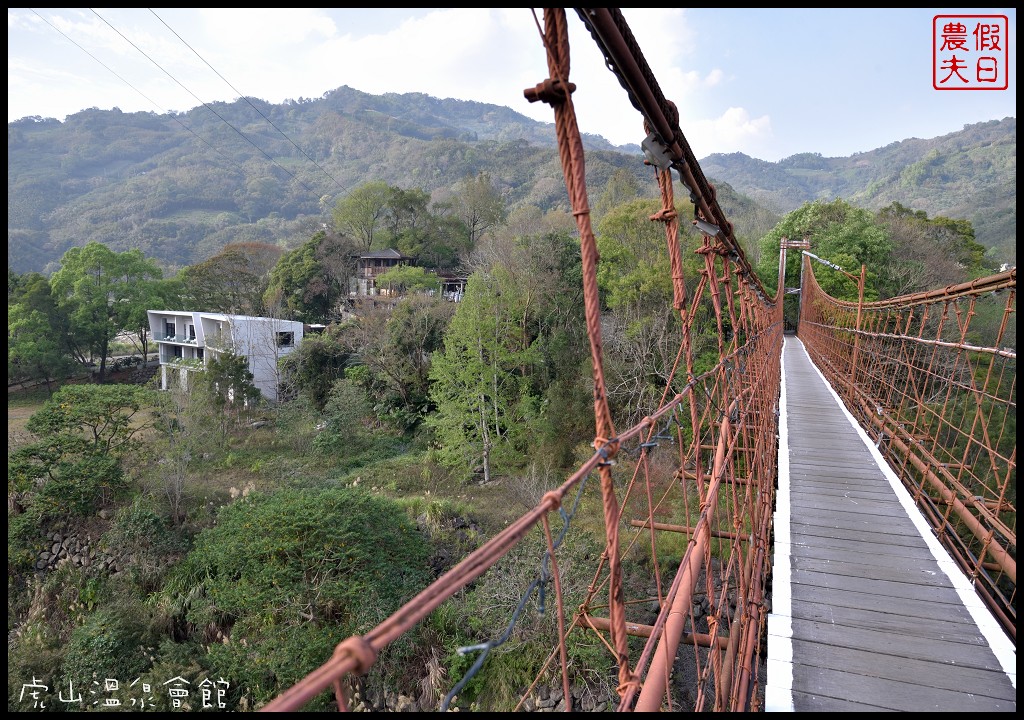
(971, 175)
(180, 187)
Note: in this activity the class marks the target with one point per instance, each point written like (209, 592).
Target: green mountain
(180, 186)
(971, 174)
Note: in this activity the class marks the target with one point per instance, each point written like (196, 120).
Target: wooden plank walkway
(869, 612)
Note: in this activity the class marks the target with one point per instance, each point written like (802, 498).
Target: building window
(191, 332)
(285, 339)
(199, 353)
(170, 330)
(177, 351)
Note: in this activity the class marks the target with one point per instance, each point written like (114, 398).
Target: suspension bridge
(846, 493)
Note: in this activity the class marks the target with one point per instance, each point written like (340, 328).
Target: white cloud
(96, 36)
(264, 31)
(733, 131)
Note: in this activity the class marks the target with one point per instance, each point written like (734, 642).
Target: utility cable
(207, 105)
(126, 82)
(246, 99)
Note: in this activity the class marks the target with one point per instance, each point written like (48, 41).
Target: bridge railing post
(856, 337)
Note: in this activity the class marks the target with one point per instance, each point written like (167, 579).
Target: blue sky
(768, 83)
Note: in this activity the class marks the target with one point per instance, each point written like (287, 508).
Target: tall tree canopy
(902, 249)
(305, 284)
(360, 214)
(840, 233)
(479, 205)
(102, 293)
(930, 252)
(394, 349)
(483, 396)
(37, 336)
(377, 216)
(232, 281)
(643, 330)
(34, 351)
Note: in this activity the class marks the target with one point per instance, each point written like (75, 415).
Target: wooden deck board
(894, 647)
(920, 575)
(855, 599)
(851, 535)
(845, 550)
(917, 672)
(813, 488)
(848, 521)
(886, 592)
(812, 703)
(960, 629)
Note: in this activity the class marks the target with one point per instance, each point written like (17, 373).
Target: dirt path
(17, 416)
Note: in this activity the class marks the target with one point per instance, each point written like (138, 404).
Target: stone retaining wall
(72, 548)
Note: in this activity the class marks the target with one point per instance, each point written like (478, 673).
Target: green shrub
(283, 577)
(345, 415)
(112, 643)
(146, 542)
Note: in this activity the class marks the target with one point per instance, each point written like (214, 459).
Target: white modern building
(187, 341)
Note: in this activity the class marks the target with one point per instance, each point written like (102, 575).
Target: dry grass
(20, 407)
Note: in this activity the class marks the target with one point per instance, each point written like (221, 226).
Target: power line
(208, 106)
(243, 96)
(155, 104)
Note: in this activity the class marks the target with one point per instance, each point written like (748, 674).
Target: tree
(339, 256)
(228, 383)
(483, 400)
(929, 253)
(643, 331)
(301, 282)
(396, 349)
(839, 233)
(101, 291)
(84, 433)
(232, 281)
(535, 264)
(445, 243)
(312, 368)
(407, 218)
(622, 187)
(361, 213)
(345, 418)
(479, 205)
(541, 261)
(153, 295)
(108, 418)
(378, 216)
(33, 351)
(33, 292)
(186, 421)
(15, 281)
(634, 267)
